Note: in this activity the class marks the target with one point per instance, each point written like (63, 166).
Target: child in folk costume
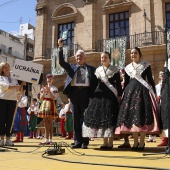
(40, 122)
(48, 110)
(20, 122)
(62, 117)
(68, 121)
(32, 111)
(40, 129)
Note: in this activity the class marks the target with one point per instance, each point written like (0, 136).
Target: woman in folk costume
(68, 121)
(101, 115)
(20, 122)
(33, 111)
(48, 110)
(164, 106)
(139, 109)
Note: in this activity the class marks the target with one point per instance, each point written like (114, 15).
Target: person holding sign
(9, 88)
(48, 110)
(79, 87)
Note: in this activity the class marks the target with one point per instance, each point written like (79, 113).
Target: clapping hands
(45, 89)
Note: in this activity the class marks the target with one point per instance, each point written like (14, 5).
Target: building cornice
(56, 15)
(117, 4)
(40, 5)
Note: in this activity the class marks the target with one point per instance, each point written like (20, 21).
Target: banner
(26, 71)
(117, 49)
(56, 69)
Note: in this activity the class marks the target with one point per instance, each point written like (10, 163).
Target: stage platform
(29, 157)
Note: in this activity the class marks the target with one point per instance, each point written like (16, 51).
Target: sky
(16, 12)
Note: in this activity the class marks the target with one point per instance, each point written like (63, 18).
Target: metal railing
(72, 49)
(138, 40)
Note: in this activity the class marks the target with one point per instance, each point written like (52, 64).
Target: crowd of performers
(101, 108)
(103, 102)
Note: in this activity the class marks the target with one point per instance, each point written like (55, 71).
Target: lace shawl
(136, 69)
(109, 72)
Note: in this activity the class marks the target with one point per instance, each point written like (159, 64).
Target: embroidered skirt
(48, 109)
(20, 122)
(101, 115)
(138, 111)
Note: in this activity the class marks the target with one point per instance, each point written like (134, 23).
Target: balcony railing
(72, 49)
(138, 40)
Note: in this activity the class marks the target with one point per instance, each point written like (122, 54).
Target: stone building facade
(92, 20)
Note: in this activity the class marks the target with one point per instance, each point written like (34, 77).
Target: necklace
(136, 65)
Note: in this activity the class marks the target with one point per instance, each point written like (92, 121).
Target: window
(3, 48)
(119, 24)
(10, 50)
(70, 28)
(167, 6)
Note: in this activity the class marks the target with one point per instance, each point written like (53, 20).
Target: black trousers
(7, 108)
(79, 97)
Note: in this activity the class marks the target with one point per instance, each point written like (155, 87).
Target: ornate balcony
(138, 40)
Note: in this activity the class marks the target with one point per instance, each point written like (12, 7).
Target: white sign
(26, 71)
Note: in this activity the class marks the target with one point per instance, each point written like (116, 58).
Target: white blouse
(5, 92)
(54, 92)
(23, 102)
(34, 109)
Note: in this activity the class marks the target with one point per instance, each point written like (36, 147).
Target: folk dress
(101, 115)
(139, 109)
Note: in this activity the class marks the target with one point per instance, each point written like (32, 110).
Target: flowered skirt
(138, 111)
(48, 109)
